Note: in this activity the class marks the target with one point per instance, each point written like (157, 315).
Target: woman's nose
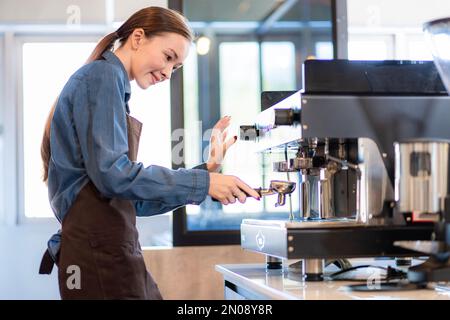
(167, 73)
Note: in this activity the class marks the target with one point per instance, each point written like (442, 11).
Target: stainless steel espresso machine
(368, 143)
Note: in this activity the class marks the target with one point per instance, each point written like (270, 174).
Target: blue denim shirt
(89, 142)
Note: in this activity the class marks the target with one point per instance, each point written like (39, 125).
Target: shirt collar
(112, 58)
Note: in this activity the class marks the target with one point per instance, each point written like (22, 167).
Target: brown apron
(99, 240)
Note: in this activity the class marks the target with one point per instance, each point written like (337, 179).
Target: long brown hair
(154, 21)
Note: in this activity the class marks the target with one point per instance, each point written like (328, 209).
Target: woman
(89, 148)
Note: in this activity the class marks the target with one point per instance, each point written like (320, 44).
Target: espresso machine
(368, 143)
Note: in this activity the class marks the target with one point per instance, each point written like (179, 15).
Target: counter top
(284, 285)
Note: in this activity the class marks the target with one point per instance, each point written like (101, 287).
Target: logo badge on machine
(260, 240)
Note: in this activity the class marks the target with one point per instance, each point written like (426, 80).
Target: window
(396, 45)
(240, 98)
(417, 48)
(46, 68)
(376, 30)
(324, 50)
(278, 66)
(228, 80)
(152, 108)
(372, 47)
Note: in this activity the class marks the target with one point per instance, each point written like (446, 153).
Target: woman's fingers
(228, 144)
(227, 189)
(222, 124)
(235, 193)
(231, 198)
(224, 135)
(241, 196)
(250, 191)
(218, 143)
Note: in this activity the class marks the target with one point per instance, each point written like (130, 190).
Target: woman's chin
(143, 84)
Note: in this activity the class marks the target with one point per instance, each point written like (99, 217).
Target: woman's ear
(137, 37)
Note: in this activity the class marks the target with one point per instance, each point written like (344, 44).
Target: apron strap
(47, 263)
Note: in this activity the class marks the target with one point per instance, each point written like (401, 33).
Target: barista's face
(155, 58)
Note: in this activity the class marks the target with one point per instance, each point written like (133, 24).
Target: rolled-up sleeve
(100, 121)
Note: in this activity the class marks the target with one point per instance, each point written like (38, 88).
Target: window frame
(2, 129)
(181, 235)
(10, 111)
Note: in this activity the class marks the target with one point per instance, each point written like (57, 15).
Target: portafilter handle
(282, 188)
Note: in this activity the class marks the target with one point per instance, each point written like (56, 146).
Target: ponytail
(106, 43)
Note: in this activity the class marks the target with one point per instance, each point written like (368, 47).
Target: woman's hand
(217, 144)
(227, 188)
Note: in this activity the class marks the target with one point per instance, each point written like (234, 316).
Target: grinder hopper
(438, 35)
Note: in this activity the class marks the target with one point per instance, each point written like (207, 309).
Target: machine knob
(287, 117)
(249, 133)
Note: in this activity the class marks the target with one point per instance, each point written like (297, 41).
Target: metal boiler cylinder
(421, 176)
